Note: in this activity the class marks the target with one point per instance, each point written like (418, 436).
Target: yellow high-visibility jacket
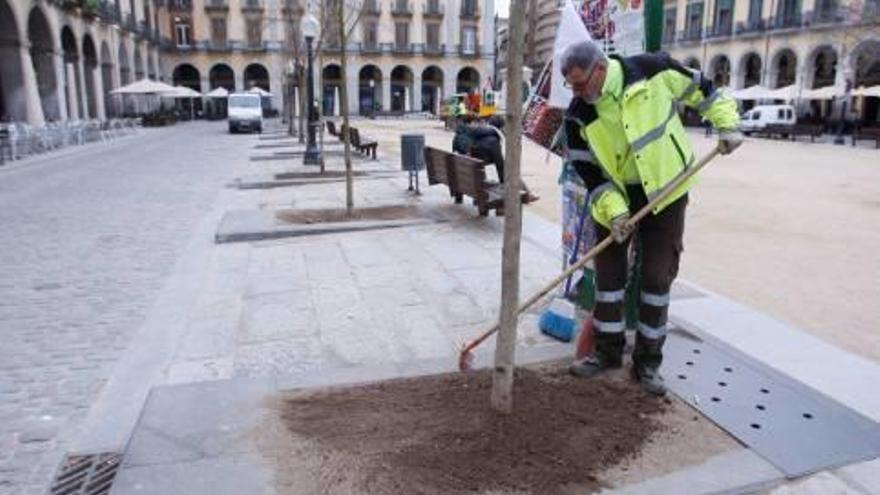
(652, 84)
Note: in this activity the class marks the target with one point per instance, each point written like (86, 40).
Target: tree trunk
(349, 179)
(505, 347)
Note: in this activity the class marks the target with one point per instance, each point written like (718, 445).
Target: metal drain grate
(91, 474)
(794, 427)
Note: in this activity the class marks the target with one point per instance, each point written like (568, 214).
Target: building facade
(810, 44)
(60, 59)
(542, 19)
(402, 55)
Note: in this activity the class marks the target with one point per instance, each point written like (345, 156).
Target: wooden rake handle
(664, 193)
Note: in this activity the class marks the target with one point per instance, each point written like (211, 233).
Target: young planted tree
(346, 16)
(502, 380)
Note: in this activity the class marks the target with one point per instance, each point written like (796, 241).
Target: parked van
(245, 112)
(761, 116)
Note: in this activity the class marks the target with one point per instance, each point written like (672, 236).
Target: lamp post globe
(310, 29)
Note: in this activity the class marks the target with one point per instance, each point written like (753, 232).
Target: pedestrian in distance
(626, 141)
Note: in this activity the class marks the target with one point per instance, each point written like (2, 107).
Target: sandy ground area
(788, 228)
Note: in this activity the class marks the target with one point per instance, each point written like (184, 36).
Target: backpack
(462, 141)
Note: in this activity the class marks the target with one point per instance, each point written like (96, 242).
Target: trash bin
(412, 157)
(412, 148)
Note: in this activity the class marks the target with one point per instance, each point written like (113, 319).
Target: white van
(245, 112)
(762, 115)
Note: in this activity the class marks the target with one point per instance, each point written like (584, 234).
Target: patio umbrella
(143, 87)
(824, 93)
(260, 91)
(787, 93)
(219, 92)
(756, 92)
(869, 91)
(185, 92)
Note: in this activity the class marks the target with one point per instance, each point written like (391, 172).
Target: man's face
(587, 86)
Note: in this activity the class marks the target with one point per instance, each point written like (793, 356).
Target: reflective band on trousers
(609, 296)
(654, 134)
(651, 332)
(609, 326)
(581, 155)
(658, 300)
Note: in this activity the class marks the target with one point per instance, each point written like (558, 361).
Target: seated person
(486, 142)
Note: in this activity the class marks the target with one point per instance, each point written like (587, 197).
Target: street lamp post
(310, 28)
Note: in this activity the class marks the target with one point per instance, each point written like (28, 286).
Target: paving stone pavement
(88, 239)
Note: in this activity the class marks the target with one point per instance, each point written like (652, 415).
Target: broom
(558, 320)
(466, 356)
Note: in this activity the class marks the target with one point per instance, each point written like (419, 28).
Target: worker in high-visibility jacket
(626, 141)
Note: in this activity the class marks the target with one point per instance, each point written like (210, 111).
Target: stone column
(33, 104)
(417, 93)
(386, 92)
(79, 69)
(336, 106)
(98, 79)
(59, 86)
(70, 71)
(353, 87)
(438, 101)
(406, 95)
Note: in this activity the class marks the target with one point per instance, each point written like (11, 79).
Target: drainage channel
(90, 474)
(794, 427)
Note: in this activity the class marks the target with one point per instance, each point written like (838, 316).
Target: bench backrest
(435, 163)
(331, 128)
(355, 137)
(469, 175)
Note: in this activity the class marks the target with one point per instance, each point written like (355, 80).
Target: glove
(729, 141)
(620, 228)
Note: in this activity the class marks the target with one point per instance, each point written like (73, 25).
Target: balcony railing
(435, 49)
(371, 7)
(825, 15)
(108, 12)
(292, 7)
(433, 9)
(401, 8)
(719, 31)
(216, 5)
(219, 45)
(786, 21)
(469, 51)
(470, 11)
(370, 47)
(751, 26)
(180, 5)
(252, 6)
(402, 48)
(695, 33)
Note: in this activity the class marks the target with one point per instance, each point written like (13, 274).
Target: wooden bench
(465, 176)
(868, 133)
(363, 145)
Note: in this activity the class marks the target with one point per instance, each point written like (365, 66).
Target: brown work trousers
(660, 236)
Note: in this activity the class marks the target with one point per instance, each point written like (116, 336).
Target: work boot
(608, 354)
(593, 364)
(650, 379)
(647, 356)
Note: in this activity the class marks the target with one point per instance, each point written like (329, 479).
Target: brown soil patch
(438, 435)
(396, 212)
(328, 174)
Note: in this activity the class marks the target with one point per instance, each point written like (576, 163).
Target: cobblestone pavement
(88, 239)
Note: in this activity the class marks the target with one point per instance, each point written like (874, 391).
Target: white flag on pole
(571, 30)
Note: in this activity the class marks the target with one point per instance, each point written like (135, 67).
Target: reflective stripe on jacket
(652, 84)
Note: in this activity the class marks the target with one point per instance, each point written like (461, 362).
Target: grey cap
(583, 54)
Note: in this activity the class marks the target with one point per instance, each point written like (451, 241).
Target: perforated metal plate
(794, 427)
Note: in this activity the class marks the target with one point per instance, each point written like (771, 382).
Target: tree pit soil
(439, 435)
(335, 215)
